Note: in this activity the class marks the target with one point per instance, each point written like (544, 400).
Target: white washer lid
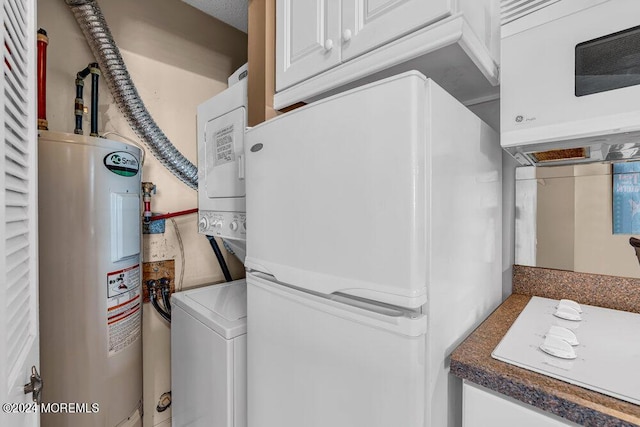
(222, 308)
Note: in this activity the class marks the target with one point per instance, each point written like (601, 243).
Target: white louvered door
(18, 212)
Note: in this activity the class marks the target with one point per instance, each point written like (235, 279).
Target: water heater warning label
(224, 146)
(124, 303)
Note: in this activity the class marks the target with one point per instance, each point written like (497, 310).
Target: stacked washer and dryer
(209, 326)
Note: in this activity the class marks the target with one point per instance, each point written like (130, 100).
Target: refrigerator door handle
(369, 305)
(394, 319)
(265, 276)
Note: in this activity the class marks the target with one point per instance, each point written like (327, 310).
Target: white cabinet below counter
(482, 408)
(327, 46)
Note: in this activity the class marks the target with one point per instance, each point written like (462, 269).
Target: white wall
(178, 57)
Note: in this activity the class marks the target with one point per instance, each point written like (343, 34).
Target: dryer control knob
(204, 223)
(233, 226)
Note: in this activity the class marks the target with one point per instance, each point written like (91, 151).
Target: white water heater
(90, 279)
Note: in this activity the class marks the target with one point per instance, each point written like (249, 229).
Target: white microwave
(570, 81)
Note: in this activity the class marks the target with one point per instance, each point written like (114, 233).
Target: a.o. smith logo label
(122, 163)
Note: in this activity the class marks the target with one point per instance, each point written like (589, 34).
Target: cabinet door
(367, 24)
(482, 408)
(307, 39)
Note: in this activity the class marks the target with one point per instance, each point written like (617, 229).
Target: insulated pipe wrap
(95, 29)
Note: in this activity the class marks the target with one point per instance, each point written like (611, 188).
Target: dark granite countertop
(472, 360)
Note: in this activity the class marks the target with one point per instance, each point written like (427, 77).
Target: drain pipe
(79, 103)
(220, 258)
(96, 31)
(95, 75)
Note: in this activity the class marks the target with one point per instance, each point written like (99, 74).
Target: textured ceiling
(232, 12)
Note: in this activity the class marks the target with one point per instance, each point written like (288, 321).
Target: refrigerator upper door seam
(366, 304)
(352, 287)
(407, 323)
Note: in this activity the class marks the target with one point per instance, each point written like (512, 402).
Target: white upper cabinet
(308, 34)
(328, 46)
(367, 24)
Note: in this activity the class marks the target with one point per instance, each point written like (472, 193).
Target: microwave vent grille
(510, 10)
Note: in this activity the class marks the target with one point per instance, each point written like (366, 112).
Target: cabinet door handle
(346, 35)
(328, 44)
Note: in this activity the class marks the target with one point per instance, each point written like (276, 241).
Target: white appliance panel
(240, 380)
(343, 191)
(221, 193)
(208, 356)
(465, 243)
(538, 100)
(202, 385)
(228, 302)
(222, 308)
(330, 185)
(90, 287)
(224, 146)
(608, 349)
(125, 225)
(315, 362)
(382, 192)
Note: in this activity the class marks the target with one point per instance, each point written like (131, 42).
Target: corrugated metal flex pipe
(98, 35)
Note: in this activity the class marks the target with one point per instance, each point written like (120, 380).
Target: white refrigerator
(373, 249)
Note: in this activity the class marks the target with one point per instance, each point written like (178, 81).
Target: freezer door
(315, 362)
(337, 193)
